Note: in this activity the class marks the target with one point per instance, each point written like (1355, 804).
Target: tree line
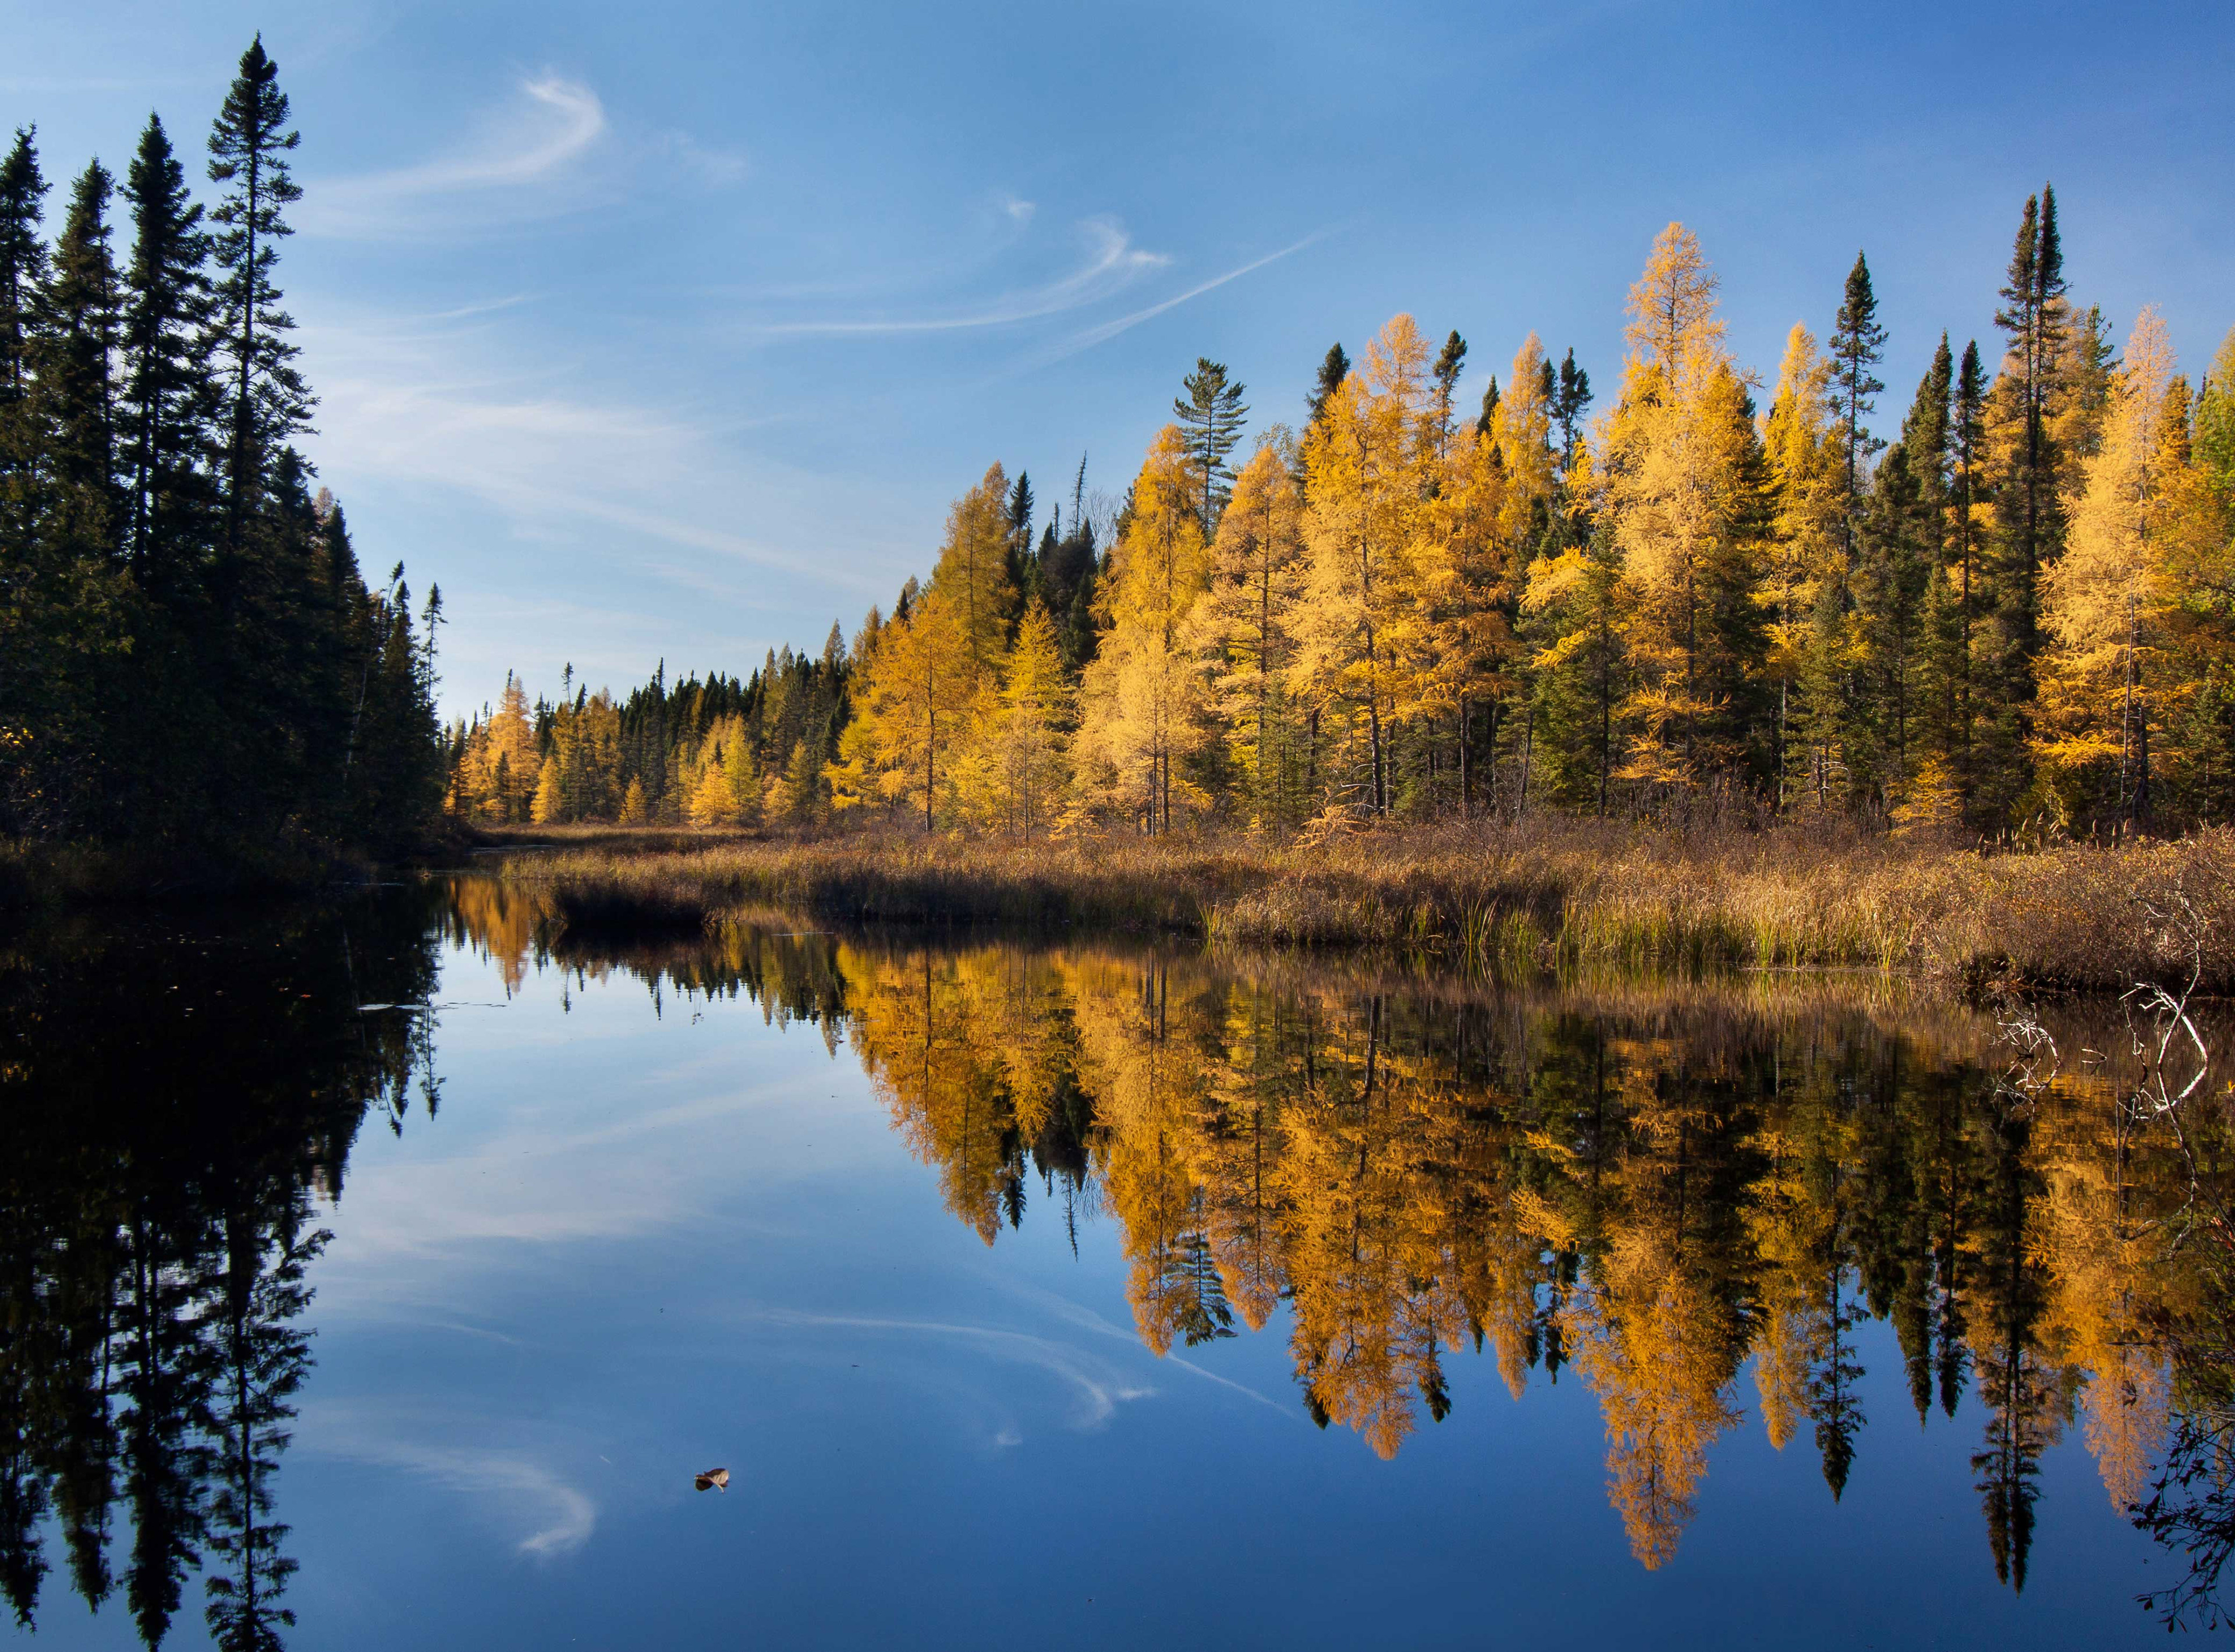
(2020, 607)
(190, 655)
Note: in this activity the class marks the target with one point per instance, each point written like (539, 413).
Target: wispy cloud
(1112, 263)
(1099, 1389)
(1100, 332)
(407, 400)
(1062, 1307)
(519, 164)
(716, 168)
(560, 1516)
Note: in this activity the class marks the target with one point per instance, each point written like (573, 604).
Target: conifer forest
(1722, 591)
(190, 655)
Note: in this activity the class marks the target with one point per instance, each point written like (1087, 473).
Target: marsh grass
(1561, 895)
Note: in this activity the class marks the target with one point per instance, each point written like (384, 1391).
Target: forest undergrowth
(1558, 895)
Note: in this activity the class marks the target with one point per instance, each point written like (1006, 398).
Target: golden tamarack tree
(2025, 610)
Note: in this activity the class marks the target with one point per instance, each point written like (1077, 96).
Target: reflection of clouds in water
(648, 1173)
(1062, 1307)
(562, 1515)
(1100, 1388)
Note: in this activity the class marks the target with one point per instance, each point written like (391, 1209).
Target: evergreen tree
(1486, 421)
(1446, 376)
(22, 272)
(165, 393)
(1857, 344)
(73, 403)
(2032, 315)
(1211, 416)
(1334, 367)
(1569, 403)
(1022, 573)
(266, 401)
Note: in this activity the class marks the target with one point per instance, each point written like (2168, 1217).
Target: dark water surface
(383, 1275)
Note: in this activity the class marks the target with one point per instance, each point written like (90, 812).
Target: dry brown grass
(1557, 894)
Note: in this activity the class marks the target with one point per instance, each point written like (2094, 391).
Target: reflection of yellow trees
(1656, 1329)
(1652, 1187)
(929, 1059)
(500, 919)
(2111, 1190)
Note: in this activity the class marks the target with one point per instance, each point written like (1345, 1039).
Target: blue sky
(672, 331)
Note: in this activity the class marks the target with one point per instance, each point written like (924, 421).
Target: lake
(383, 1273)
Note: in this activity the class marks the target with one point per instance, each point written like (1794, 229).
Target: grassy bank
(1559, 895)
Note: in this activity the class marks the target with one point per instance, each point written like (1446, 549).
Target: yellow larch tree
(509, 765)
(912, 707)
(1488, 503)
(1141, 697)
(1015, 774)
(2106, 601)
(1675, 460)
(547, 804)
(1366, 459)
(1805, 543)
(1241, 628)
(976, 574)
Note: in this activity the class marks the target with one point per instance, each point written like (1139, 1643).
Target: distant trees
(189, 654)
(1407, 611)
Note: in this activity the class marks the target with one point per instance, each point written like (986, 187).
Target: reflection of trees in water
(1651, 1187)
(169, 1105)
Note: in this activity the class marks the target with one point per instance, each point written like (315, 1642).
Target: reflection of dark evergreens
(2029, 1399)
(1650, 1187)
(2190, 1509)
(169, 1104)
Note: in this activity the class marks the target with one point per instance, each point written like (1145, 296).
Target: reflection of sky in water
(630, 1248)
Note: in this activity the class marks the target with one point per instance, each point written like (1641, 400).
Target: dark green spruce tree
(165, 400)
(1446, 376)
(1334, 367)
(2027, 523)
(1210, 416)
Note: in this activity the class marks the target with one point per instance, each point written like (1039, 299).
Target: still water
(384, 1275)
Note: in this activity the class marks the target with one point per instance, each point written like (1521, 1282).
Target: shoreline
(1558, 896)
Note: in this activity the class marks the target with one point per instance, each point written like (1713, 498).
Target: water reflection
(169, 1105)
(1688, 1197)
(1647, 1186)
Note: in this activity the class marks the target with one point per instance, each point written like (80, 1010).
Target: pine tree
(73, 402)
(2032, 315)
(1334, 367)
(1022, 573)
(1486, 420)
(1569, 403)
(266, 401)
(22, 273)
(164, 394)
(1211, 416)
(1444, 375)
(1969, 508)
(1857, 344)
